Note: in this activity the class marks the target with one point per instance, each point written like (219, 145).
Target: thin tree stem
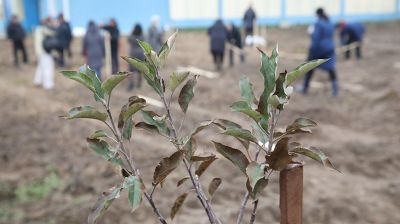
(155, 209)
(152, 191)
(169, 116)
(271, 130)
(130, 163)
(201, 196)
(254, 212)
(195, 182)
(112, 130)
(247, 195)
(272, 125)
(242, 207)
(181, 124)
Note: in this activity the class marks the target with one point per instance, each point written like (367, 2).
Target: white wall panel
(308, 7)
(263, 8)
(370, 6)
(193, 9)
(17, 7)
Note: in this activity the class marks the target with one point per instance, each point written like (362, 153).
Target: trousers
(332, 76)
(18, 45)
(45, 71)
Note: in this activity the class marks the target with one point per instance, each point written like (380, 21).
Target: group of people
(56, 36)
(322, 43)
(52, 41)
(50, 36)
(93, 48)
(220, 34)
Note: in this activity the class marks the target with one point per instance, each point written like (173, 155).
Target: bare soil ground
(359, 130)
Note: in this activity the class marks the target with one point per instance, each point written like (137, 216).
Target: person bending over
(323, 47)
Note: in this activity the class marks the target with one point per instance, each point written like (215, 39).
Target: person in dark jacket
(249, 19)
(235, 41)
(323, 47)
(64, 36)
(93, 48)
(218, 35)
(155, 33)
(112, 29)
(135, 51)
(350, 33)
(16, 34)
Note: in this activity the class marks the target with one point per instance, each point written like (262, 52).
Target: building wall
(353, 7)
(263, 8)
(193, 9)
(273, 12)
(202, 13)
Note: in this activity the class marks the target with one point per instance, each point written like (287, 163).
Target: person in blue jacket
(218, 36)
(323, 47)
(350, 33)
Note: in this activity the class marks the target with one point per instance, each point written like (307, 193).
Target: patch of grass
(5, 190)
(10, 216)
(39, 189)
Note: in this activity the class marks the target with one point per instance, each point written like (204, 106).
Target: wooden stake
(291, 194)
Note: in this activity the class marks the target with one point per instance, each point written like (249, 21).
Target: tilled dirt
(359, 130)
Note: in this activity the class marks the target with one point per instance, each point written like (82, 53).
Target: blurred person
(135, 51)
(112, 29)
(249, 20)
(93, 48)
(350, 33)
(235, 40)
(218, 35)
(43, 36)
(155, 34)
(70, 36)
(64, 35)
(323, 47)
(16, 34)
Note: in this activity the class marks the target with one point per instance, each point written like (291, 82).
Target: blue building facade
(193, 13)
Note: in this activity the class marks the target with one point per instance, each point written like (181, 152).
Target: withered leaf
(166, 166)
(103, 203)
(280, 157)
(234, 155)
(181, 181)
(213, 186)
(178, 204)
(204, 165)
(187, 93)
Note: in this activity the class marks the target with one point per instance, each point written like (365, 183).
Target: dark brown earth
(359, 130)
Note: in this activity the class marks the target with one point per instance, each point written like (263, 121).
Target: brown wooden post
(291, 194)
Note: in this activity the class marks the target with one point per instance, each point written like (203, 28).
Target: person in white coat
(44, 75)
